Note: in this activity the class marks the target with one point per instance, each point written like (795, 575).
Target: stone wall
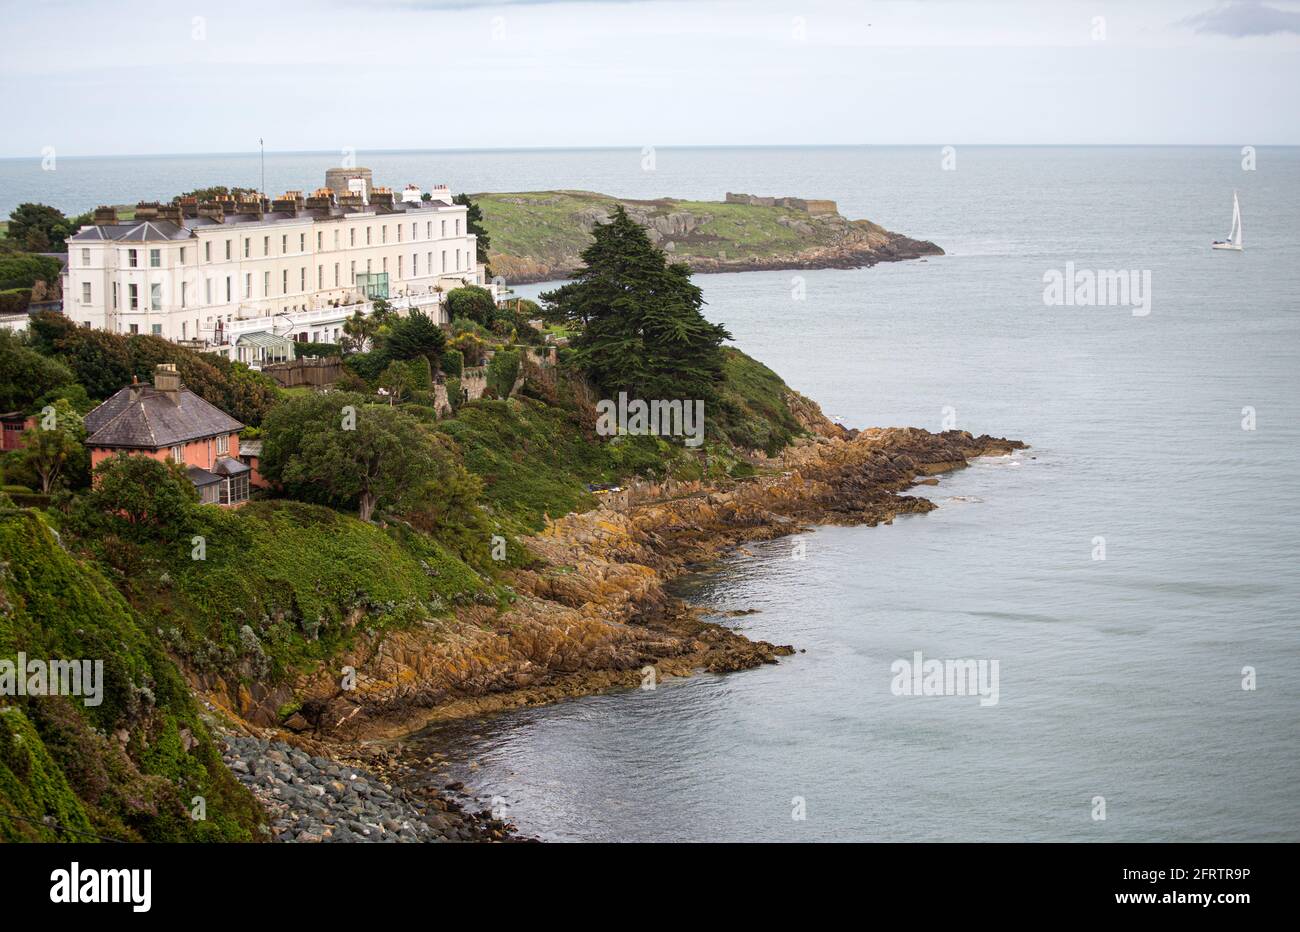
(817, 208)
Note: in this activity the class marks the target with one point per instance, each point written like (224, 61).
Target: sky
(194, 76)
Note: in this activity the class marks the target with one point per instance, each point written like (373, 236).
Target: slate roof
(139, 417)
(146, 231)
(201, 477)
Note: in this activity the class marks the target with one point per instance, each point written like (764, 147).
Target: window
(85, 292)
(85, 257)
(428, 230)
(207, 291)
(302, 242)
(384, 264)
(234, 490)
(229, 296)
(367, 236)
(352, 236)
(155, 258)
(414, 233)
(399, 266)
(399, 232)
(248, 285)
(185, 288)
(134, 328)
(383, 233)
(223, 444)
(156, 329)
(247, 246)
(155, 297)
(131, 258)
(302, 278)
(284, 244)
(266, 284)
(320, 277)
(444, 260)
(458, 226)
(336, 239)
(415, 265)
(284, 281)
(133, 296)
(320, 240)
(207, 251)
(443, 233)
(354, 271)
(227, 250)
(336, 274)
(182, 255)
(266, 245)
(178, 454)
(429, 263)
(114, 295)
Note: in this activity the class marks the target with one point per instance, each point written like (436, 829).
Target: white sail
(1234, 240)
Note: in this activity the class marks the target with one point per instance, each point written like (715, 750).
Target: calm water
(1118, 678)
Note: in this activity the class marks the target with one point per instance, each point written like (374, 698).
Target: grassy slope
(548, 225)
(63, 760)
(306, 579)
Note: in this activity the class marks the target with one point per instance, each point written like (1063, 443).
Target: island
(540, 235)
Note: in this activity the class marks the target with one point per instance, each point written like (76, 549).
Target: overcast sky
(165, 76)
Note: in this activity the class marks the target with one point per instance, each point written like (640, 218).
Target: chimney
(321, 199)
(104, 216)
(167, 380)
(146, 210)
(171, 212)
(214, 211)
(382, 197)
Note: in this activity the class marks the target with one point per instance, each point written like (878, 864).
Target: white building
(242, 277)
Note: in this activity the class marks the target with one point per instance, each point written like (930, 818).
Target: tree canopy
(643, 331)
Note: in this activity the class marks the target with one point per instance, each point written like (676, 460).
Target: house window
(227, 250)
(336, 274)
(367, 236)
(248, 241)
(399, 232)
(155, 258)
(399, 266)
(444, 260)
(114, 295)
(131, 258)
(352, 236)
(223, 444)
(354, 271)
(207, 291)
(178, 454)
(443, 233)
(428, 230)
(85, 292)
(155, 297)
(414, 233)
(302, 242)
(134, 328)
(156, 329)
(415, 265)
(302, 278)
(185, 290)
(284, 281)
(229, 285)
(182, 255)
(207, 251)
(133, 296)
(248, 285)
(85, 257)
(284, 244)
(234, 490)
(320, 277)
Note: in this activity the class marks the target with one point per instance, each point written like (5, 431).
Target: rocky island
(540, 235)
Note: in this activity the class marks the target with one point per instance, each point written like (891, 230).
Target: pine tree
(643, 332)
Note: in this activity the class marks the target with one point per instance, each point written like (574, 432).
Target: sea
(1131, 577)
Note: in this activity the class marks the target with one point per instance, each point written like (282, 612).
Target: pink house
(168, 422)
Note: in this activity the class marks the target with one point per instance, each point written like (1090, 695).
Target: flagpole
(262, 146)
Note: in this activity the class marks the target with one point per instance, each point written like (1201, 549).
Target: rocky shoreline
(590, 615)
(309, 798)
(897, 248)
(594, 612)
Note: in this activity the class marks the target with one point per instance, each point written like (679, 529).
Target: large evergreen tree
(474, 225)
(642, 330)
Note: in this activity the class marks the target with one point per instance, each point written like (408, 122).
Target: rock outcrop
(592, 613)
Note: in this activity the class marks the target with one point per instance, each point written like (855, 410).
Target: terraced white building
(245, 277)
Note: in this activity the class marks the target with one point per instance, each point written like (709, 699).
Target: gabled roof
(140, 417)
(146, 231)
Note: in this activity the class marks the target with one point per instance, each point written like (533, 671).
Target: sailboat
(1234, 238)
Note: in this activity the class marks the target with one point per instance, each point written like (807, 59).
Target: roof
(201, 477)
(250, 448)
(139, 417)
(264, 340)
(229, 466)
(153, 231)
